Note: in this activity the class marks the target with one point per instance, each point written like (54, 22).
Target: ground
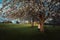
(26, 32)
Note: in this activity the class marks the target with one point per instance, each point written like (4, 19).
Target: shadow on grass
(13, 32)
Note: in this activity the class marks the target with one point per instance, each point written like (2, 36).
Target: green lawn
(25, 32)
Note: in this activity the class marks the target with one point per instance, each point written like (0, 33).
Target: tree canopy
(39, 10)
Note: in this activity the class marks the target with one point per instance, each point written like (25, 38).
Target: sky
(0, 3)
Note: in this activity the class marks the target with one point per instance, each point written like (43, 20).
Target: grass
(25, 32)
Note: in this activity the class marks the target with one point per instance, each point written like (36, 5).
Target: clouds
(0, 5)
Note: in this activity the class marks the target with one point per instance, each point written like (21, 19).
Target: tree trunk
(32, 22)
(40, 26)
